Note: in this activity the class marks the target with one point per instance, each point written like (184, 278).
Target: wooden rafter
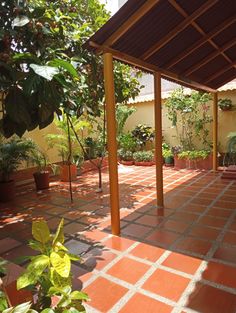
(184, 24)
(149, 67)
(201, 42)
(145, 8)
(199, 29)
(218, 73)
(209, 57)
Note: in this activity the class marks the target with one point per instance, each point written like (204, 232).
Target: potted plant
(143, 158)
(41, 176)
(67, 149)
(12, 153)
(169, 157)
(143, 134)
(225, 104)
(48, 275)
(126, 157)
(196, 159)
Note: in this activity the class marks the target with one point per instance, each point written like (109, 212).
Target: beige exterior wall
(145, 115)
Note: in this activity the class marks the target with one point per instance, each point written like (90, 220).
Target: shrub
(127, 142)
(125, 155)
(225, 104)
(143, 156)
(167, 153)
(194, 155)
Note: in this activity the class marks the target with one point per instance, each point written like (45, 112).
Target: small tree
(190, 116)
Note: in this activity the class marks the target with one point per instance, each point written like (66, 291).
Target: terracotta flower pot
(128, 163)
(41, 180)
(143, 163)
(65, 172)
(179, 163)
(7, 191)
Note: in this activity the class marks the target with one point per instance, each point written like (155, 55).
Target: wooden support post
(111, 142)
(215, 131)
(158, 139)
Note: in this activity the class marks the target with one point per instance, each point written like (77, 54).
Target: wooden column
(111, 142)
(158, 139)
(215, 131)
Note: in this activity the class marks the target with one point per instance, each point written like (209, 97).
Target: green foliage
(44, 67)
(190, 115)
(143, 134)
(39, 158)
(50, 272)
(225, 104)
(194, 155)
(143, 156)
(60, 140)
(125, 155)
(12, 153)
(127, 142)
(167, 153)
(122, 114)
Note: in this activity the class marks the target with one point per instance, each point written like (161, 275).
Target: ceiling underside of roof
(188, 41)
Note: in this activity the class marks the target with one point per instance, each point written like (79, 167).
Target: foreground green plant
(49, 273)
(194, 155)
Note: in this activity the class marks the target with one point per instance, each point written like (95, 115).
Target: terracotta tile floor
(180, 259)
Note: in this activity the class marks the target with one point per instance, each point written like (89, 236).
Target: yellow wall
(145, 115)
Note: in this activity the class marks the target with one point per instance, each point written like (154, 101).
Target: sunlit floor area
(179, 259)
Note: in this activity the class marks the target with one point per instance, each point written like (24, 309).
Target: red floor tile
(221, 274)
(230, 238)
(213, 222)
(166, 284)
(208, 299)
(149, 220)
(94, 235)
(147, 252)
(182, 263)
(194, 245)
(225, 253)
(163, 237)
(176, 226)
(128, 270)
(98, 258)
(143, 304)
(118, 243)
(7, 244)
(104, 294)
(136, 230)
(204, 232)
(219, 212)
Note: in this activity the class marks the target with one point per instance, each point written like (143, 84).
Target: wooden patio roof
(192, 42)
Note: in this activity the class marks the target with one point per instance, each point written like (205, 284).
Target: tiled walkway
(180, 259)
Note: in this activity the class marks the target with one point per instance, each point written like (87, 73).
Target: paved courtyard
(179, 259)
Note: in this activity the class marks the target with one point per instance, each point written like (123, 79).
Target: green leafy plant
(143, 156)
(225, 104)
(127, 142)
(194, 155)
(143, 134)
(167, 153)
(12, 153)
(49, 273)
(190, 116)
(122, 114)
(125, 155)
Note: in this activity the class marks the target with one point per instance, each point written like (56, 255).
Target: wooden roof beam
(144, 9)
(222, 71)
(210, 57)
(198, 28)
(185, 23)
(201, 41)
(123, 57)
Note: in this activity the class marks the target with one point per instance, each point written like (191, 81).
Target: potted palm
(41, 176)
(12, 153)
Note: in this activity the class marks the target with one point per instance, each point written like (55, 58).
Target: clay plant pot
(65, 172)
(41, 180)
(143, 163)
(7, 191)
(179, 163)
(128, 163)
